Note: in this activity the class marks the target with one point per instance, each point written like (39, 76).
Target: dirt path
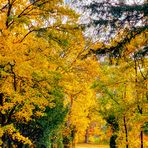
(91, 146)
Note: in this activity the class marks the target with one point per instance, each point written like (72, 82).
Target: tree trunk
(141, 132)
(126, 132)
(113, 141)
(141, 137)
(73, 134)
(87, 135)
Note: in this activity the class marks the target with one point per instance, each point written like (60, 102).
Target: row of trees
(30, 89)
(41, 74)
(120, 43)
(54, 81)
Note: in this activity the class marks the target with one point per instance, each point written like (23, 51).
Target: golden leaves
(36, 57)
(15, 135)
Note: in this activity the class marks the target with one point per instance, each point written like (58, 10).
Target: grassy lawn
(91, 146)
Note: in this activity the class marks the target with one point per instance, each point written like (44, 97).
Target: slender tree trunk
(141, 132)
(124, 122)
(2, 116)
(73, 134)
(141, 137)
(126, 132)
(87, 135)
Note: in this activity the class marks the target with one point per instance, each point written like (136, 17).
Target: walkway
(91, 146)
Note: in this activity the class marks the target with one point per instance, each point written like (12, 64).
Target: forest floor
(91, 146)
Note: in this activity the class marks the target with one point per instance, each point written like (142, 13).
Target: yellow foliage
(36, 46)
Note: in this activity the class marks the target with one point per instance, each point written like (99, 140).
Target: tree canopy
(59, 86)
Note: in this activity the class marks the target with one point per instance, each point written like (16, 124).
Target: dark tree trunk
(113, 141)
(73, 134)
(141, 137)
(115, 128)
(126, 132)
(2, 116)
(141, 133)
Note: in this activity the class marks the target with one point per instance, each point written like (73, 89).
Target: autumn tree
(118, 102)
(127, 75)
(124, 28)
(32, 35)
